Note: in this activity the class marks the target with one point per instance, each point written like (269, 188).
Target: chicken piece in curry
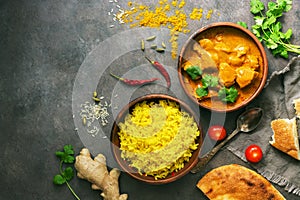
(227, 74)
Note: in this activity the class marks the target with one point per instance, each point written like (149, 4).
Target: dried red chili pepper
(162, 70)
(134, 82)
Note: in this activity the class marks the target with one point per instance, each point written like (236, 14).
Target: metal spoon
(246, 122)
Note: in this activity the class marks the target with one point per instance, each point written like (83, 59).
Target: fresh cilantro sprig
(207, 81)
(201, 91)
(228, 94)
(65, 174)
(194, 72)
(268, 29)
(210, 81)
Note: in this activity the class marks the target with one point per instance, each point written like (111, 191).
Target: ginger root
(95, 171)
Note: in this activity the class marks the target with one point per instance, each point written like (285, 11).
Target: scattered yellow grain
(167, 13)
(181, 4)
(167, 7)
(196, 14)
(174, 3)
(209, 13)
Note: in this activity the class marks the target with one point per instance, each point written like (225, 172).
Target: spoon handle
(204, 160)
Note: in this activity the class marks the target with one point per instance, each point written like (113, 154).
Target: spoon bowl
(246, 123)
(249, 120)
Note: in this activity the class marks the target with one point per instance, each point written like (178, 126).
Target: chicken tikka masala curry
(223, 67)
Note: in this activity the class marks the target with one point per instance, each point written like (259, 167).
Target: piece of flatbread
(235, 182)
(285, 136)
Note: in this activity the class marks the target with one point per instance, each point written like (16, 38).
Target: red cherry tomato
(217, 132)
(253, 153)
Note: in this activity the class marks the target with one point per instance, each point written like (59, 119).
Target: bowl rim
(133, 172)
(259, 46)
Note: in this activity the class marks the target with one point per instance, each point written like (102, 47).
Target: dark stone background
(43, 45)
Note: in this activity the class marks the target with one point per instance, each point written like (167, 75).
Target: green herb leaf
(259, 20)
(274, 10)
(256, 6)
(284, 54)
(194, 72)
(278, 50)
(288, 34)
(275, 37)
(288, 7)
(285, 4)
(277, 27)
(59, 179)
(69, 159)
(271, 44)
(209, 81)
(243, 24)
(201, 92)
(69, 149)
(256, 31)
(228, 95)
(268, 22)
(267, 28)
(67, 156)
(68, 173)
(272, 5)
(59, 154)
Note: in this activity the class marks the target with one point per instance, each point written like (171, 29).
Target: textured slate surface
(46, 48)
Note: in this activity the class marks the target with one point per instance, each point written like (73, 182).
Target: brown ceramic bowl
(124, 165)
(228, 44)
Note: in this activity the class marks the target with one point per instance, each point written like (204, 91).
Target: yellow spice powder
(166, 13)
(209, 13)
(196, 14)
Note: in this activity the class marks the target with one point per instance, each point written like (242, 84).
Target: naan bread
(235, 182)
(285, 133)
(285, 136)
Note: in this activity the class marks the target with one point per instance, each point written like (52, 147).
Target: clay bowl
(229, 43)
(124, 165)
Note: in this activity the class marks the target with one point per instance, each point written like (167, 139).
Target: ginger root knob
(95, 171)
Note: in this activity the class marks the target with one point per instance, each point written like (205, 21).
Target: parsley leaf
(209, 81)
(268, 29)
(194, 72)
(256, 6)
(201, 92)
(68, 173)
(228, 95)
(66, 156)
(59, 179)
(243, 24)
(69, 149)
(288, 34)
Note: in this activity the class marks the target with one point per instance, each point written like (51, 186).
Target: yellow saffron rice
(158, 138)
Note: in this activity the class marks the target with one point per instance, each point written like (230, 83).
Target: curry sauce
(228, 54)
